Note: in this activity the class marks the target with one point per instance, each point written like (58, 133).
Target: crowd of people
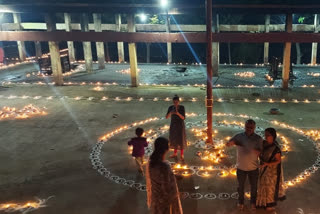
(257, 158)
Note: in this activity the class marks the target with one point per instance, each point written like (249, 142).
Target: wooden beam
(161, 27)
(159, 37)
(68, 28)
(99, 45)
(132, 53)
(287, 55)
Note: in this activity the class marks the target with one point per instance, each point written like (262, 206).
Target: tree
(155, 20)
(301, 19)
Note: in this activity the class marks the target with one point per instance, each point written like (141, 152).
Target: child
(138, 144)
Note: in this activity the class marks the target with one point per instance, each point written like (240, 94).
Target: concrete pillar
(148, 52)
(21, 45)
(266, 44)
(37, 45)
(287, 55)
(107, 52)
(215, 47)
(54, 52)
(314, 44)
(99, 45)
(132, 53)
(86, 45)
(71, 51)
(119, 44)
(169, 45)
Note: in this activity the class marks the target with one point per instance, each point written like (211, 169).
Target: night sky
(287, 2)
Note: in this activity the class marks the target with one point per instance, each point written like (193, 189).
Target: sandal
(270, 209)
(173, 156)
(240, 207)
(253, 207)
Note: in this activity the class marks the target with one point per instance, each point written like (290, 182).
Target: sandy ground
(48, 155)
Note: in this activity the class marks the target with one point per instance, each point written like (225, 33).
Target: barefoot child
(138, 144)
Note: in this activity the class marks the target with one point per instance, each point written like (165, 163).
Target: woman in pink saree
(162, 190)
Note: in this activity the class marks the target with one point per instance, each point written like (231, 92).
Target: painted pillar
(119, 44)
(169, 45)
(99, 45)
(266, 44)
(37, 45)
(215, 47)
(71, 51)
(54, 51)
(86, 45)
(148, 52)
(287, 55)
(133, 53)
(21, 45)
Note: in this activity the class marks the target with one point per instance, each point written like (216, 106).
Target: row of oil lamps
(186, 170)
(24, 207)
(32, 59)
(314, 74)
(69, 73)
(26, 112)
(246, 74)
(149, 84)
(215, 157)
(167, 99)
(205, 171)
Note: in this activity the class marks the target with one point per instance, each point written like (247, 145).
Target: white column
(132, 53)
(119, 44)
(86, 45)
(54, 52)
(21, 45)
(67, 20)
(99, 45)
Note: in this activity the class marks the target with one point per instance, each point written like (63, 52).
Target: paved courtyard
(59, 155)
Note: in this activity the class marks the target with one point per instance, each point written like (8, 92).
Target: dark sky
(288, 2)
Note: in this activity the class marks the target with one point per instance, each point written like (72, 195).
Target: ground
(54, 154)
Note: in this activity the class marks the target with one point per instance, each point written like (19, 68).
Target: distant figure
(162, 190)
(138, 144)
(249, 147)
(177, 133)
(270, 184)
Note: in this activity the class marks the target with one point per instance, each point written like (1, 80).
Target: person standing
(177, 132)
(271, 182)
(249, 147)
(162, 190)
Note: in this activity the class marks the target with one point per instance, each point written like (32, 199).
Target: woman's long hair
(161, 145)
